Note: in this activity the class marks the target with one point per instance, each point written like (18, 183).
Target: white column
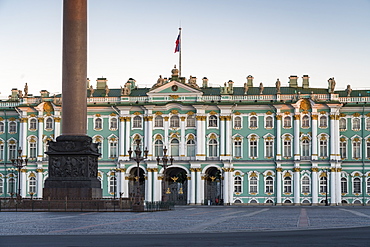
(127, 137)
(182, 137)
(297, 191)
(23, 134)
(297, 127)
(121, 133)
(278, 183)
(160, 189)
(146, 139)
(57, 127)
(192, 187)
(201, 138)
(198, 188)
(226, 186)
(39, 182)
(278, 137)
(228, 136)
(125, 179)
(231, 185)
(40, 146)
(149, 138)
(337, 139)
(338, 189)
(189, 190)
(332, 139)
(332, 186)
(23, 183)
(314, 137)
(166, 132)
(150, 184)
(121, 181)
(222, 136)
(155, 185)
(146, 187)
(314, 183)
(201, 187)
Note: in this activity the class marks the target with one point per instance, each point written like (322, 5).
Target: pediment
(175, 88)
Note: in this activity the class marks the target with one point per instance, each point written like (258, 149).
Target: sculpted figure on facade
(91, 90)
(261, 88)
(331, 85)
(245, 88)
(175, 72)
(106, 90)
(349, 90)
(278, 85)
(20, 94)
(25, 90)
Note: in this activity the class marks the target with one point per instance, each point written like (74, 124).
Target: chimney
(101, 83)
(250, 81)
(44, 94)
(205, 82)
(306, 83)
(293, 81)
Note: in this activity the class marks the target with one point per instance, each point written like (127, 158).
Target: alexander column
(73, 158)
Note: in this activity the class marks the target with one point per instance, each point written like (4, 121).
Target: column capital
(41, 119)
(297, 116)
(314, 169)
(24, 170)
(279, 117)
(296, 169)
(279, 169)
(314, 117)
(57, 119)
(39, 170)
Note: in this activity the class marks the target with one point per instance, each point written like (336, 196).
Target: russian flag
(177, 48)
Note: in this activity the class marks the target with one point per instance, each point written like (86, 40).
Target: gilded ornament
(12, 119)
(155, 169)
(278, 117)
(174, 96)
(287, 113)
(305, 104)
(198, 169)
(213, 113)
(182, 118)
(97, 115)
(1, 119)
(174, 112)
(23, 170)
(279, 169)
(297, 117)
(32, 175)
(269, 173)
(305, 112)
(137, 113)
(121, 119)
(158, 137)
(356, 114)
(343, 115)
(237, 113)
(287, 174)
(253, 174)
(41, 119)
(190, 113)
(314, 117)
(253, 114)
(296, 169)
(269, 113)
(314, 169)
(158, 113)
(212, 136)
(190, 137)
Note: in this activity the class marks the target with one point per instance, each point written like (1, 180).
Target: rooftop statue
(126, 90)
(245, 88)
(175, 72)
(91, 91)
(20, 95)
(349, 90)
(106, 90)
(331, 85)
(261, 88)
(25, 90)
(278, 85)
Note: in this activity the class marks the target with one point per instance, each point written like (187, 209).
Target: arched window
(305, 121)
(11, 186)
(343, 185)
(253, 185)
(190, 121)
(287, 147)
(237, 122)
(33, 148)
(98, 124)
(212, 147)
(113, 123)
(2, 126)
(158, 148)
(305, 185)
(356, 125)
(32, 185)
(342, 124)
(323, 185)
(113, 148)
(269, 147)
(357, 185)
(158, 121)
(49, 123)
(175, 121)
(137, 122)
(269, 186)
(12, 127)
(238, 148)
(323, 123)
(288, 185)
(212, 121)
(287, 122)
(12, 150)
(323, 147)
(343, 149)
(190, 148)
(253, 122)
(269, 122)
(2, 156)
(112, 185)
(33, 124)
(253, 148)
(305, 148)
(237, 184)
(356, 148)
(174, 147)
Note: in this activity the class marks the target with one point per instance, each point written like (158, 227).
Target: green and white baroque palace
(248, 145)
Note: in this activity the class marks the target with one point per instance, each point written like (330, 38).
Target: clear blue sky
(222, 40)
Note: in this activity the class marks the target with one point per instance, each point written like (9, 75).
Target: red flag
(178, 40)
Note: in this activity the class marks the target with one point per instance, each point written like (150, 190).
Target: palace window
(368, 149)
(158, 148)
(174, 145)
(367, 123)
(12, 151)
(237, 122)
(287, 185)
(137, 122)
(357, 185)
(287, 147)
(112, 185)
(1, 186)
(287, 122)
(343, 149)
(305, 184)
(253, 148)
(356, 124)
(305, 148)
(269, 123)
(343, 185)
(190, 121)
(237, 184)
(342, 124)
(323, 184)
(368, 185)
(212, 148)
(212, 121)
(11, 186)
(238, 148)
(269, 147)
(323, 123)
(33, 124)
(253, 122)
(113, 123)
(113, 149)
(32, 146)
(305, 121)
(253, 185)
(98, 140)
(323, 147)
(2, 126)
(175, 121)
(12, 127)
(356, 149)
(269, 185)
(158, 121)
(49, 123)
(32, 185)
(98, 123)
(1, 150)
(190, 148)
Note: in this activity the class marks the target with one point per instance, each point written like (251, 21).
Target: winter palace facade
(250, 145)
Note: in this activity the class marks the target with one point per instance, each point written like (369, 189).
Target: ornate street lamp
(164, 165)
(19, 163)
(138, 203)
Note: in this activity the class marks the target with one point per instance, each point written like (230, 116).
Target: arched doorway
(133, 189)
(174, 187)
(213, 187)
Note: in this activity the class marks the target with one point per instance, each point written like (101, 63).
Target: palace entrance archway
(174, 187)
(213, 186)
(133, 184)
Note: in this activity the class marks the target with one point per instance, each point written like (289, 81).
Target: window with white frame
(2, 127)
(238, 184)
(190, 148)
(253, 185)
(269, 123)
(306, 185)
(344, 185)
(253, 122)
(356, 148)
(12, 127)
(237, 122)
(33, 147)
(113, 123)
(287, 185)
(305, 147)
(356, 185)
(305, 121)
(253, 152)
(269, 185)
(112, 185)
(323, 122)
(11, 186)
(32, 185)
(343, 149)
(158, 121)
(269, 148)
(175, 121)
(287, 122)
(323, 144)
(212, 148)
(137, 122)
(190, 121)
(174, 145)
(368, 185)
(98, 140)
(33, 124)
(2, 157)
(98, 125)
(158, 148)
(287, 147)
(342, 124)
(1, 186)
(323, 184)
(368, 148)
(113, 149)
(367, 123)
(212, 121)
(12, 147)
(49, 123)
(238, 147)
(356, 123)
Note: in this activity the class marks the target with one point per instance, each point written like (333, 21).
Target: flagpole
(180, 54)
